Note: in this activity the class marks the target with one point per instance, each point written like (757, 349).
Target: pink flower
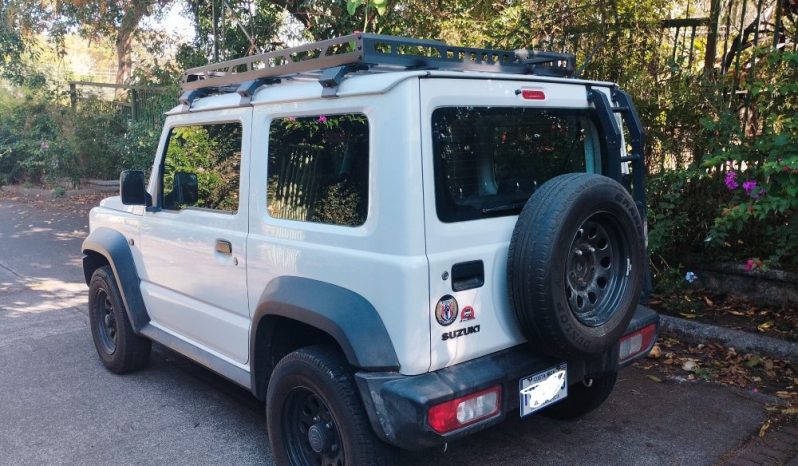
(291, 118)
(753, 264)
(749, 265)
(749, 187)
(322, 119)
(731, 180)
(44, 145)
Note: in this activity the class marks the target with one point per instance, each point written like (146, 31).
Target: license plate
(542, 389)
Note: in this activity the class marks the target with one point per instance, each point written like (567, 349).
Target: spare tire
(575, 265)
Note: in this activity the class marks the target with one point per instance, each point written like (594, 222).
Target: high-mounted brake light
(460, 412)
(637, 342)
(533, 94)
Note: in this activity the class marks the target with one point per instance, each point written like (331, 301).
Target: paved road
(59, 406)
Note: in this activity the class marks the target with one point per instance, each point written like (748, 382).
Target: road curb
(696, 332)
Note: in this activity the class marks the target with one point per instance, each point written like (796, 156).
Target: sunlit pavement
(58, 405)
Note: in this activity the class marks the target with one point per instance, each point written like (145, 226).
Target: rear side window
(201, 167)
(489, 160)
(318, 169)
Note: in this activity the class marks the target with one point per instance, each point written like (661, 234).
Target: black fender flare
(113, 246)
(341, 313)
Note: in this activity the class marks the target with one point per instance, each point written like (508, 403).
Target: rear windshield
(489, 160)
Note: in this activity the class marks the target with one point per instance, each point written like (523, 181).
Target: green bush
(43, 140)
(31, 146)
(681, 207)
(758, 167)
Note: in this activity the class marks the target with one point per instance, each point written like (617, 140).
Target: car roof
(306, 87)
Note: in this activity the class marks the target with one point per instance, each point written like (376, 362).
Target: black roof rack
(334, 58)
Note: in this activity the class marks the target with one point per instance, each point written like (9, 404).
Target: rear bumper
(397, 405)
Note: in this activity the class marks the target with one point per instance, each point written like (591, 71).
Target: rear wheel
(119, 348)
(314, 413)
(583, 398)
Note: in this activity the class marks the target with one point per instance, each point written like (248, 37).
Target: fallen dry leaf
(654, 378)
(655, 352)
(764, 326)
(763, 430)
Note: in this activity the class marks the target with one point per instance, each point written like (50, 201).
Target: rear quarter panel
(382, 260)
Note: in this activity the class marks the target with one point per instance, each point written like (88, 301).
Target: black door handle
(224, 247)
(468, 275)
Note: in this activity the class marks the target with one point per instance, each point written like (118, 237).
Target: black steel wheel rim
(597, 269)
(311, 432)
(105, 321)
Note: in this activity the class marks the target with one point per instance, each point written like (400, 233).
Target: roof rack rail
(362, 51)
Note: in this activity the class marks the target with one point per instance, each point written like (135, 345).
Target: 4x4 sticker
(459, 333)
(467, 314)
(446, 310)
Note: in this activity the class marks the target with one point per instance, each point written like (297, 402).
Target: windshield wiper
(504, 207)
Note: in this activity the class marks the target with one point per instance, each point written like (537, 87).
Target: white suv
(391, 241)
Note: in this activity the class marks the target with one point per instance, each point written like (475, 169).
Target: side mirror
(132, 188)
(186, 188)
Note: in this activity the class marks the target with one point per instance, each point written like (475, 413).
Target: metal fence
(140, 104)
(708, 47)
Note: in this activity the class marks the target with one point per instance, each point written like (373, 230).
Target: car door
(193, 242)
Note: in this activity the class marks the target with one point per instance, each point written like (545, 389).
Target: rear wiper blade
(504, 207)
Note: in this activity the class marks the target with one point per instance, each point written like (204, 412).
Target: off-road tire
(319, 372)
(582, 398)
(119, 348)
(574, 294)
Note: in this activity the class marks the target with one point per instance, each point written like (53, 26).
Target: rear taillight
(465, 410)
(637, 343)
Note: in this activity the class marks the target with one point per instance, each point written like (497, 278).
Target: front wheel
(314, 414)
(119, 348)
(583, 398)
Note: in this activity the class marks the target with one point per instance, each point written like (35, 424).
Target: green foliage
(243, 28)
(381, 6)
(341, 204)
(30, 146)
(43, 141)
(759, 166)
(213, 154)
(681, 206)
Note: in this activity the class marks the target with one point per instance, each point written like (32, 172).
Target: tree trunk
(136, 10)
(124, 61)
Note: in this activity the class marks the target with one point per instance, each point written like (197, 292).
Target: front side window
(489, 160)
(201, 167)
(318, 169)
